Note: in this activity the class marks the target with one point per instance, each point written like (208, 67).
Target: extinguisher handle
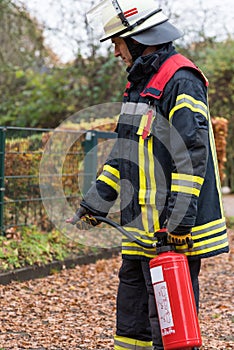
(180, 239)
(162, 237)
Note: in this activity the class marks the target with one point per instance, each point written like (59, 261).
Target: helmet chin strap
(136, 49)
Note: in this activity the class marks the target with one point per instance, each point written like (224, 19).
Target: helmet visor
(100, 15)
(121, 17)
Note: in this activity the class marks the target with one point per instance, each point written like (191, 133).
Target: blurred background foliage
(37, 89)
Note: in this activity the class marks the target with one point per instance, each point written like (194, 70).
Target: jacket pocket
(145, 126)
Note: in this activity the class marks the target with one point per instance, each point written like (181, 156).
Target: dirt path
(75, 309)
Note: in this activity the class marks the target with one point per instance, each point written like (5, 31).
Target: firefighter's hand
(82, 219)
(180, 239)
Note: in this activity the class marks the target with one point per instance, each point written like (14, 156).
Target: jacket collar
(147, 65)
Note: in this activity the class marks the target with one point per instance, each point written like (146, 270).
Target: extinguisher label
(163, 305)
(157, 274)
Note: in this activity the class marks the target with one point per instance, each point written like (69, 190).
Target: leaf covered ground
(75, 309)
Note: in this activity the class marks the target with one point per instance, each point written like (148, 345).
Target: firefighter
(163, 164)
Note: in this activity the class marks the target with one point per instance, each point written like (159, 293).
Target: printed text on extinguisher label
(163, 305)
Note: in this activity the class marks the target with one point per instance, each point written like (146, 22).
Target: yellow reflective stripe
(130, 244)
(142, 181)
(216, 167)
(185, 189)
(186, 183)
(110, 176)
(141, 232)
(209, 224)
(129, 343)
(186, 105)
(194, 101)
(210, 240)
(207, 250)
(209, 244)
(149, 213)
(210, 232)
(191, 103)
(155, 216)
(145, 217)
(151, 171)
(131, 248)
(109, 182)
(187, 177)
(142, 178)
(112, 170)
(142, 124)
(155, 219)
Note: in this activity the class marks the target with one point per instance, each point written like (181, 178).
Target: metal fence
(21, 153)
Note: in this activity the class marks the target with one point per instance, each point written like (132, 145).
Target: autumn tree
(22, 47)
(38, 91)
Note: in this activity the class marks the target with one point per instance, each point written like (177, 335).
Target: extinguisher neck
(165, 249)
(162, 245)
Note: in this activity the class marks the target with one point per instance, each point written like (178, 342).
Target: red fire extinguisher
(175, 299)
(173, 292)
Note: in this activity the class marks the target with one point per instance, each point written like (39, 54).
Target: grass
(28, 246)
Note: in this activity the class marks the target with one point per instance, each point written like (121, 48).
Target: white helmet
(138, 19)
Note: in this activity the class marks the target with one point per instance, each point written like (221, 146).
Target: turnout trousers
(137, 324)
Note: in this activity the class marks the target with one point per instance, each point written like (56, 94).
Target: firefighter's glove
(180, 239)
(83, 219)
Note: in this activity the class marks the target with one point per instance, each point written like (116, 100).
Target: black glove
(82, 219)
(180, 238)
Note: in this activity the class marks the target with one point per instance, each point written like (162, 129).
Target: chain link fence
(21, 152)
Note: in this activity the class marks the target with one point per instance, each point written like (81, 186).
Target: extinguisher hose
(126, 233)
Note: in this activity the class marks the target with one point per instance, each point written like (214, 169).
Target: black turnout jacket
(163, 164)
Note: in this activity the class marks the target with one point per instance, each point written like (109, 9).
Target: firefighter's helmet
(140, 20)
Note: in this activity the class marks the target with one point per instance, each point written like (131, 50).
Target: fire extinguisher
(173, 291)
